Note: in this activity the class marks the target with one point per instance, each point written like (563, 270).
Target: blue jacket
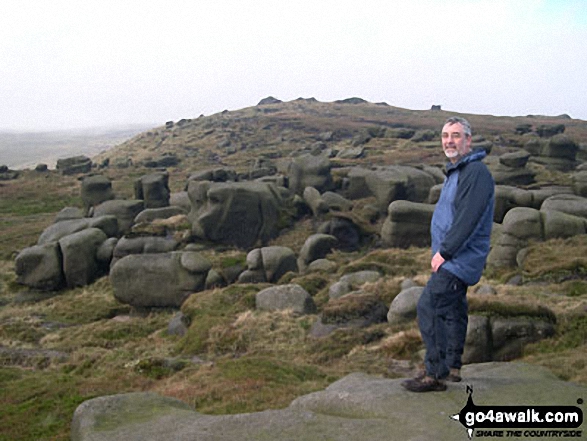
(463, 217)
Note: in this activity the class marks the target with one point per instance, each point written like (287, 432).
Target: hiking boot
(454, 376)
(424, 384)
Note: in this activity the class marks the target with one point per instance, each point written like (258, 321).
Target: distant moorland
(19, 149)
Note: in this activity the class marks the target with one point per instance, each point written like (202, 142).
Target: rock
(144, 245)
(58, 230)
(485, 290)
(95, 190)
(41, 168)
(322, 265)
(153, 189)
(517, 159)
(315, 202)
(80, 264)
(566, 203)
(268, 264)
(240, 213)
(434, 194)
(214, 280)
(309, 171)
(407, 224)
(269, 100)
(317, 246)
(408, 283)
(181, 200)
(356, 407)
(69, 213)
(163, 161)
(336, 201)
(359, 278)
(277, 261)
(352, 152)
(151, 214)
(403, 306)
(389, 183)
(509, 336)
(521, 224)
(74, 165)
(349, 235)
(352, 281)
(580, 183)
(178, 325)
(506, 175)
(339, 289)
(220, 174)
(158, 280)
(105, 252)
(285, 297)
(40, 267)
(125, 211)
(478, 340)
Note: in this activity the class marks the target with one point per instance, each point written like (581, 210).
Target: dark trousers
(442, 318)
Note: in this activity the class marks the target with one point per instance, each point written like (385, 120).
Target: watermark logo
(520, 421)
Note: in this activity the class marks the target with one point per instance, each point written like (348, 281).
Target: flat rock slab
(357, 407)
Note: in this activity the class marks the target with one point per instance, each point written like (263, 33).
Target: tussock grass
(557, 260)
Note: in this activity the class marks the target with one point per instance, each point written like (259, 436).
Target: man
(460, 229)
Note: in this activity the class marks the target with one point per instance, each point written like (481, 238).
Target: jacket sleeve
(475, 190)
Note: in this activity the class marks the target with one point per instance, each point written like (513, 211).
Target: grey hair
(462, 121)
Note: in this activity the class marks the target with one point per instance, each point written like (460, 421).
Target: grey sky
(70, 63)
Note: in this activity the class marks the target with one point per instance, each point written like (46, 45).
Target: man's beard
(453, 153)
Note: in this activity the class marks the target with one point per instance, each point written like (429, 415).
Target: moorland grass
(233, 358)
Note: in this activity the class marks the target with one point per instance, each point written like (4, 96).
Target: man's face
(454, 142)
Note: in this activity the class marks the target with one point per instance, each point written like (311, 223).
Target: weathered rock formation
(158, 280)
(239, 213)
(407, 224)
(355, 408)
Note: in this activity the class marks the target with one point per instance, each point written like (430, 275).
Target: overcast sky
(79, 63)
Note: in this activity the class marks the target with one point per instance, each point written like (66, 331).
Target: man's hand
(437, 260)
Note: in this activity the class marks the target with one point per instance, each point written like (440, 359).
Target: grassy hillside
(60, 349)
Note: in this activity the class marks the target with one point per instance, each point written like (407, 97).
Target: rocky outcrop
(566, 203)
(354, 408)
(351, 282)
(124, 211)
(74, 165)
(285, 297)
(521, 225)
(158, 280)
(556, 153)
(153, 189)
(390, 183)
(68, 253)
(315, 247)
(511, 169)
(309, 171)
(404, 306)
(239, 213)
(95, 190)
(268, 264)
(502, 339)
(508, 197)
(407, 224)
